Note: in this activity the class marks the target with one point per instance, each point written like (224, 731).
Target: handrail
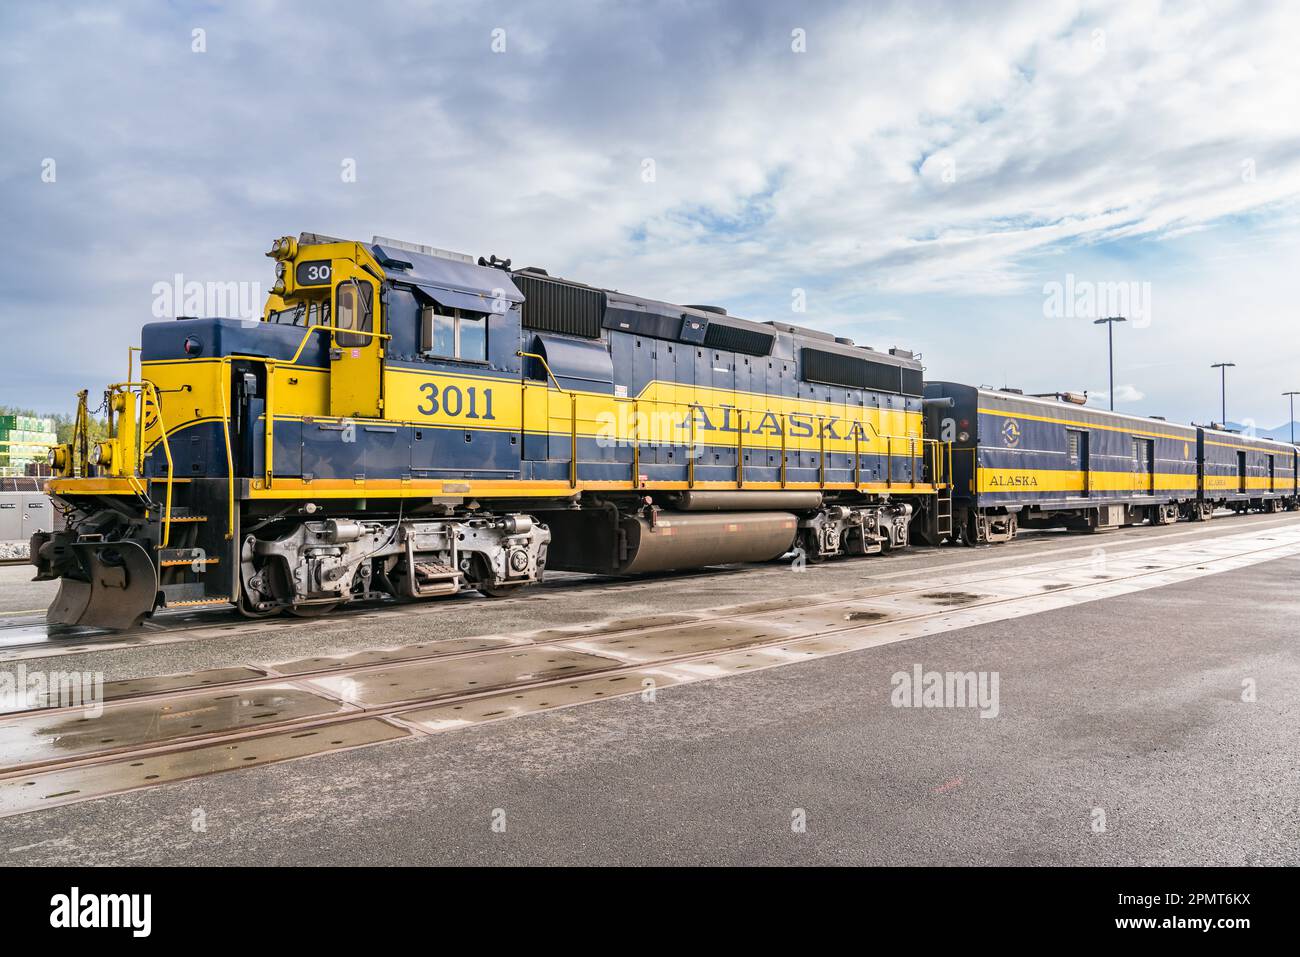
(573, 415)
(167, 450)
(547, 366)
(226, 368)
(327, 328)
(740, 448)
(691, 455)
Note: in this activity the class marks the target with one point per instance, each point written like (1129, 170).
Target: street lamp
(1292, 395)
(1223, 368)
(1110, 349)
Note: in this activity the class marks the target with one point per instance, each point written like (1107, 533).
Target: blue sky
(914, 174)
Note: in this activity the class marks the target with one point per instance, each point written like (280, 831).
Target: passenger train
(411, 423)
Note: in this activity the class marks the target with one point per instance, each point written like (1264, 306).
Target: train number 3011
(452, 400)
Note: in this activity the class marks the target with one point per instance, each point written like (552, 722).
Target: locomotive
(407, 422)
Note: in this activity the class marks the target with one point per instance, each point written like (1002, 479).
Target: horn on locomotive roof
(1075, 398)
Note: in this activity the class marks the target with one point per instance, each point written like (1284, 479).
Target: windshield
(299, 314)
(292, 316)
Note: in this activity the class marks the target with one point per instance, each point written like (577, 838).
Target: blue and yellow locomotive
(408, 422)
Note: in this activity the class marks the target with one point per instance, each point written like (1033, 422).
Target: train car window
(453, 334)
(354, 313)
(1072, 445)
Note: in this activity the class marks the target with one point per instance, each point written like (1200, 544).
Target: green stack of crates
(24, 439)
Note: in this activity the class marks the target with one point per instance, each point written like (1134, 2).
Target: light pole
(1110, 350)
(1292, 395)
(1223, 368)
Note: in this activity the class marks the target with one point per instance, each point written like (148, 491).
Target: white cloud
(907, 163)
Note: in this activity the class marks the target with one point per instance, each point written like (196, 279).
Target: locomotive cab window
(354, 312)
(290, 315)
(453, 333)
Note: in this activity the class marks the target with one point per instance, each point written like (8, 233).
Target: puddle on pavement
(43, 737)
(64, 786)
(439, 679)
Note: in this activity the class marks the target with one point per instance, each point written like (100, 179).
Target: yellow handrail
(230, 459)
(547, 366)
(167, 450)
(310, 329)
(573, 416)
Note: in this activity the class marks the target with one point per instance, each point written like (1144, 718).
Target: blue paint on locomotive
(619, 363)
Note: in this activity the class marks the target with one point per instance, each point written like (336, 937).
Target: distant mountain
(1281, 433)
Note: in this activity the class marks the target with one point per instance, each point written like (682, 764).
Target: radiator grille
(551, 306)
(833, 368)
(735, 339)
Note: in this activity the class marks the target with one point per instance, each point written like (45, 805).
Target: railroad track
(158, 730)
(27, 636)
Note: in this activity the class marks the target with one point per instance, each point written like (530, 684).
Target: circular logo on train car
(1011, 432)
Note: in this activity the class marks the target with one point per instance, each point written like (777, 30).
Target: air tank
(690, 540)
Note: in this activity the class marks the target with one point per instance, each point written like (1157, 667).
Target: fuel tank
(690, 540)
(604, 542)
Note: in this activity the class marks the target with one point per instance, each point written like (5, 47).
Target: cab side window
(453, 333)
(354, 312)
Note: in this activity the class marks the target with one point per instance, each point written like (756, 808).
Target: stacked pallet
(25, 441)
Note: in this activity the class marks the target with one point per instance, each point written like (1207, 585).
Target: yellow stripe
(1010, 481)
(1190, 435)
(425, 488)
(1282, 450)
(1254, 483)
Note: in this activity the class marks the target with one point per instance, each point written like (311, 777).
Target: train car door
(1144, 478)
(1272, 475)
(1241, 471)
(356, 348)
(1076, 441)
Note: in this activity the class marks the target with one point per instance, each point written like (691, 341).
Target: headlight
(59, 458)
(101, 453)
(963, 436)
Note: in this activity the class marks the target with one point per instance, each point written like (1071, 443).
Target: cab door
(356, 349)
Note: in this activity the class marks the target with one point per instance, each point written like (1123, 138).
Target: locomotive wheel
(248, 611)
(812, 549)
(498, 591)
(312, 611)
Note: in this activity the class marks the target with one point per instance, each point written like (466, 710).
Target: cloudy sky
(957, 178)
